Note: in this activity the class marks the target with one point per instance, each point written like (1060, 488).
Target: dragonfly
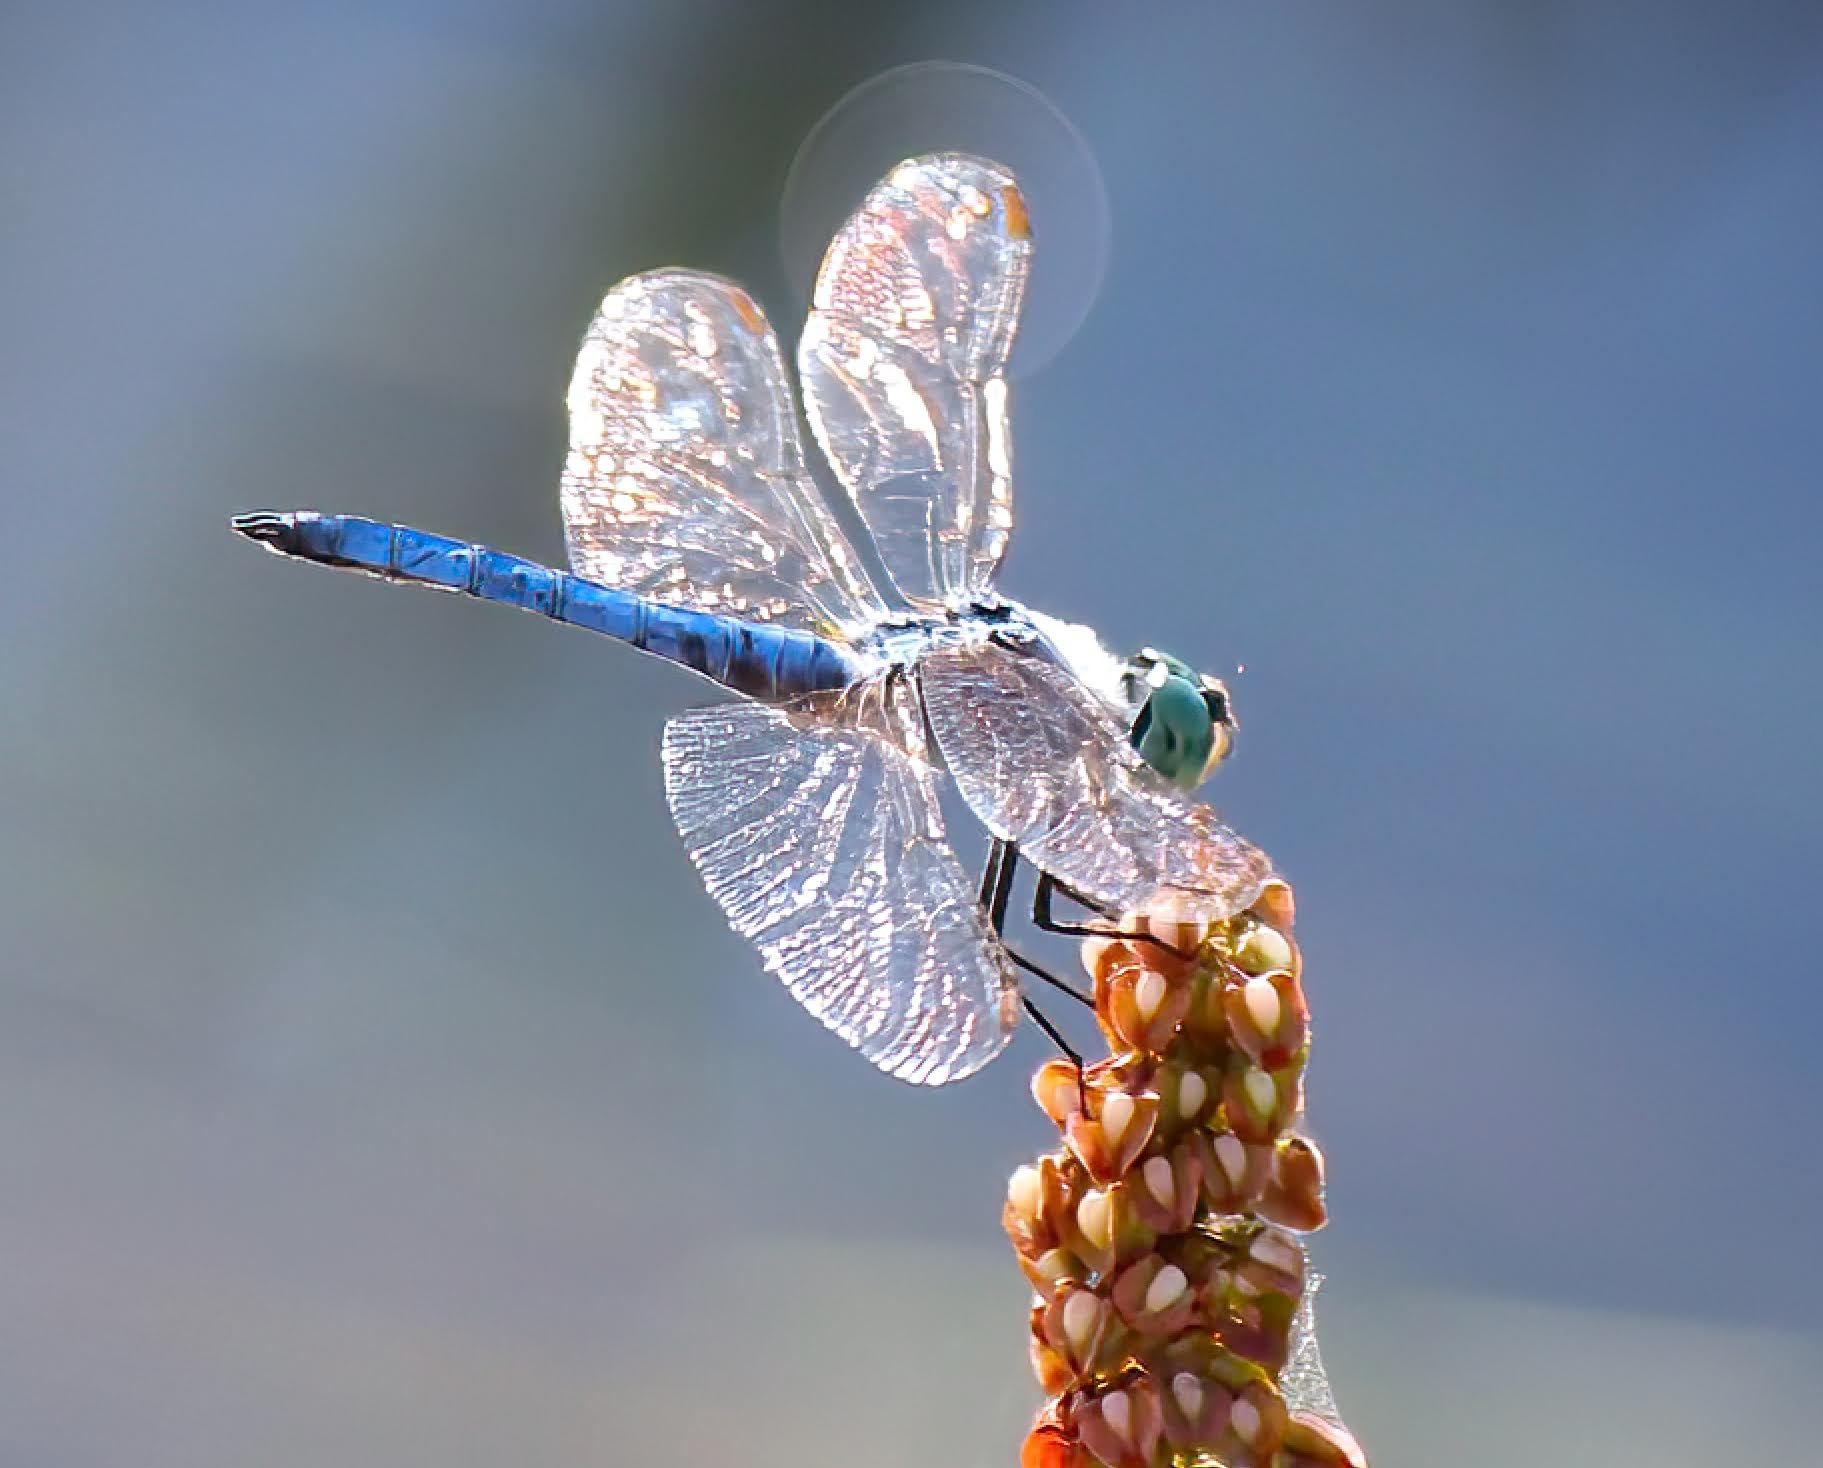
(811, 805)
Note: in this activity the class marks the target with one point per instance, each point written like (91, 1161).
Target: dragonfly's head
(1183, 724)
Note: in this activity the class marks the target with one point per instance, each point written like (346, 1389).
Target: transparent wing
(818, 832)
(685, 479)
(1304, 1382)
(901, 363)
(1044, 763)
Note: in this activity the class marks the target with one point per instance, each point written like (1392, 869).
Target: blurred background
(376, 1084)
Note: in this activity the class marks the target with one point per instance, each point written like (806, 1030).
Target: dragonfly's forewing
(819, 833)
(1044, 763)
(685, 480)
(902, 365)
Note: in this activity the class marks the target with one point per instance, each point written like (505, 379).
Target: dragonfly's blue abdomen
(772, 664)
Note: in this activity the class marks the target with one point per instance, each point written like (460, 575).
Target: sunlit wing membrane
(819, 833)
(1304, 1381)
(901, 363)
(1044, 763)
(685, 480)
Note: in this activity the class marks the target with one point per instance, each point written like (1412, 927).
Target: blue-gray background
(376, 1085)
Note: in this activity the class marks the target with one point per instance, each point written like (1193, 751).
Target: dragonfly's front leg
(1046, 921)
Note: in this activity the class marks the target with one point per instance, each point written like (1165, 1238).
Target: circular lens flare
(946, 106)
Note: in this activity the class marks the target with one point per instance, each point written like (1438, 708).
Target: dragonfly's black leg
(1051, 1033)
(996, 891)
(1046, 921)
(1082, 899)
(997, 882)
(1049, 978)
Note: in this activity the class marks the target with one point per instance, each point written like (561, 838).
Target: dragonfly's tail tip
(268, 527)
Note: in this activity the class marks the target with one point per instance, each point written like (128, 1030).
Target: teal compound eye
(1176, 734)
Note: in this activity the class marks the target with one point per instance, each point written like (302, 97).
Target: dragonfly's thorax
(901, 640)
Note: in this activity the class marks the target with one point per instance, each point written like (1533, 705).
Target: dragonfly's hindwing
(1045, 764)
(819, 833)
(902, 365)
(685, 481)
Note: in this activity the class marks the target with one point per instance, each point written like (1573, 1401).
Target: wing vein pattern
(1044, 763)
(817, 830)
(685, 480)
(902, 362)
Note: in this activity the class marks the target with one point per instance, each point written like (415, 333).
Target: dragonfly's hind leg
(996, 891)
(1055, 1036)
(1046, 921)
